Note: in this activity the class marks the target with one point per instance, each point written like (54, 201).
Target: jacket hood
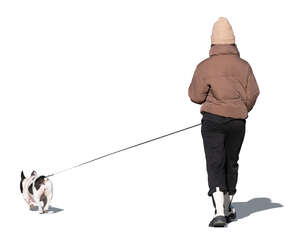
(223, 49)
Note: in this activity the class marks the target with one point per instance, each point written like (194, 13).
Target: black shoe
(231, 214)
(218, 221)
(231, 217)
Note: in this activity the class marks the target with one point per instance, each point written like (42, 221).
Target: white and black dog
(36, 190)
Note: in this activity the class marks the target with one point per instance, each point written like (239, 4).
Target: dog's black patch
(33, 173)
(21, 183)
(30, 188)
(38, 182)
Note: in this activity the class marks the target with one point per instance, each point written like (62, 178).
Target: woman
(226, 87)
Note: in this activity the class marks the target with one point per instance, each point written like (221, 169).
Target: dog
(37, 190)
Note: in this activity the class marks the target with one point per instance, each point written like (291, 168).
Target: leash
(124, 149)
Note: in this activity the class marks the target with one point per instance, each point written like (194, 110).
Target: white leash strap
(124, 149)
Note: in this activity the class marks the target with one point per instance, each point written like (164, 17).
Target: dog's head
(33, 174)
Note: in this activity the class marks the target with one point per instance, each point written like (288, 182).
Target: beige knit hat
(222, 32)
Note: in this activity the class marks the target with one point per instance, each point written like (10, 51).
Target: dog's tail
(21, 183)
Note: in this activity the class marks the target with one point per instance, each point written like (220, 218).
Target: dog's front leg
(28, 199)
(30, 204)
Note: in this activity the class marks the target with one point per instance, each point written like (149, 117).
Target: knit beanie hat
(222, 32)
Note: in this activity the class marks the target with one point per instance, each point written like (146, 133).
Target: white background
(82, 78)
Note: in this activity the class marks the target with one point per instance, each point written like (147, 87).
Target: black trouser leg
(213, 141)
(235, 132)
(222, 140)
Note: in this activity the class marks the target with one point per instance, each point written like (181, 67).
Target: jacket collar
(223, 49)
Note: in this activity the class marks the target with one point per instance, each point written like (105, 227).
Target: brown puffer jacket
(224, 83)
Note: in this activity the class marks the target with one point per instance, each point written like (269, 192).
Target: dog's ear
(21, 182)
(22, 175)
(33, 173)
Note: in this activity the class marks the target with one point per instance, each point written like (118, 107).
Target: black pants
(222, 139)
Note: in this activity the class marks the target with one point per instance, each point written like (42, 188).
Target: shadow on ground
(51, 209)
(244, 209)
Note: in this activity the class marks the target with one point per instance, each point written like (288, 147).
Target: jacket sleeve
(198, 89)
(252, 90)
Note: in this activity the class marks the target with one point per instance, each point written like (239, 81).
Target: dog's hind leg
(45, 201)
(49, 197)
(39, 204)
(38, 200)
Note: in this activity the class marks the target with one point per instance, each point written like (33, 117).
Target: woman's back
(224, 83)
